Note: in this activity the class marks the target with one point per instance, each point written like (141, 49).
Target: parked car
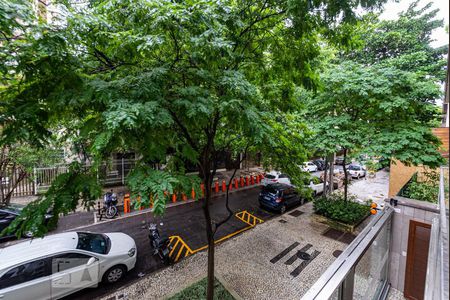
(309, 166)
(339, 160)
(356, 171)
(279, 197)
(274, 177)
(316, 187)
(9, 213)
(320, 163)
(61, 264)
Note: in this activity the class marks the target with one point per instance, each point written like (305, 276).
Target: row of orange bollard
(242, 181)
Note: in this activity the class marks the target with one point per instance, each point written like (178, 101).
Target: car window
(93, 242)
(270, 189)
(26, 272)
(66, 261)
(282, 176)
(269, 176)
(354, 168)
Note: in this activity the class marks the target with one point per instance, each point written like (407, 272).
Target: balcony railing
(361, 271)
(437, 279)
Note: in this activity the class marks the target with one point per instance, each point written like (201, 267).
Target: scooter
(110, 204)
(159, 244)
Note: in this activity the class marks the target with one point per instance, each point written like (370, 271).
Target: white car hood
(121, 243)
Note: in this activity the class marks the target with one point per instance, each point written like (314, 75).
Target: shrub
(336, 208)
(426, 190)
(198, 291)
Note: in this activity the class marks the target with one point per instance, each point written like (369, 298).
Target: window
(26, 272)
(66, 261)
(282, 176)
(93, 242)
(354, 168)
(269, 176)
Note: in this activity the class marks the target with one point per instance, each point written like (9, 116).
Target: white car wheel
(114, 274)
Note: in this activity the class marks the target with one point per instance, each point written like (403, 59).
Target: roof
(277, 185)
(37, 247)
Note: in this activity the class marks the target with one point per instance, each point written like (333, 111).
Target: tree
(376, 110)
(185, 78)
(16, 165)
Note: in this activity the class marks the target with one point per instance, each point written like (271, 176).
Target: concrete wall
(406, 210)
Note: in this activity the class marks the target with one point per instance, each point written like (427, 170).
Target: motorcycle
(160, 244)
(110, 204)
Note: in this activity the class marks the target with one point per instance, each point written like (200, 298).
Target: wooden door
(416, 260)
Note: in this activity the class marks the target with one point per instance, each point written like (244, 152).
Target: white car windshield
(93, 242)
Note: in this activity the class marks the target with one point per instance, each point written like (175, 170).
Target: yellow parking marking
(176, 240)
(248, 218)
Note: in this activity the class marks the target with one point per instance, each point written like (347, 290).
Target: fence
(111, 173)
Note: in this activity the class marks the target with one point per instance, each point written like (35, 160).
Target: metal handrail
(335, 275)
(437, 279)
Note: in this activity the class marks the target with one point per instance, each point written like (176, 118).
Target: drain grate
(282, 221)
(337, 235)
(333, 234)
(296, 213)
(336, 253)
(347, 238)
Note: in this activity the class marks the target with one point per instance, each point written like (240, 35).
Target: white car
(61, 264)
(356, 171)
(275, 177)
(309, 166)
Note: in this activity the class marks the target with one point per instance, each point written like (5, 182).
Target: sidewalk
(262, 263)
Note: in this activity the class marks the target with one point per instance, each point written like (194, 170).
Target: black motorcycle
(110, 205)
(159, 244)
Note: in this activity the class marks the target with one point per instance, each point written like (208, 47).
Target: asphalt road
(186, 220)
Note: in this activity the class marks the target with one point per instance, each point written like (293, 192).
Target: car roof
(279, 186)
(36, 248)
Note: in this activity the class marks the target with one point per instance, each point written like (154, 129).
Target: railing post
(34, 181)
(347, 286)
(123, 173)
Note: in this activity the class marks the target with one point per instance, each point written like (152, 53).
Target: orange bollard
(247, 179)
(174, 198)
(236, 184)
(126, 201)
(184, 197)
(257, 179)
(224, 186)
(252, 180)
(193, 194)
(202, 187)
(242, 181)
(230, 187)
(216, 187)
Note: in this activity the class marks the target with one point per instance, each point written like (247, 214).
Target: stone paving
(373, 189)
(247, 263)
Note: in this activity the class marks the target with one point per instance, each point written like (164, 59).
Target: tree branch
(227, 203)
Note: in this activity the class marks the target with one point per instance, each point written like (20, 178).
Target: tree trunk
(345, 175)
(331, 181)
(325, 189)
(209, 233)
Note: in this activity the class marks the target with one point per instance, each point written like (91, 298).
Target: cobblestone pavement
(262, 263)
